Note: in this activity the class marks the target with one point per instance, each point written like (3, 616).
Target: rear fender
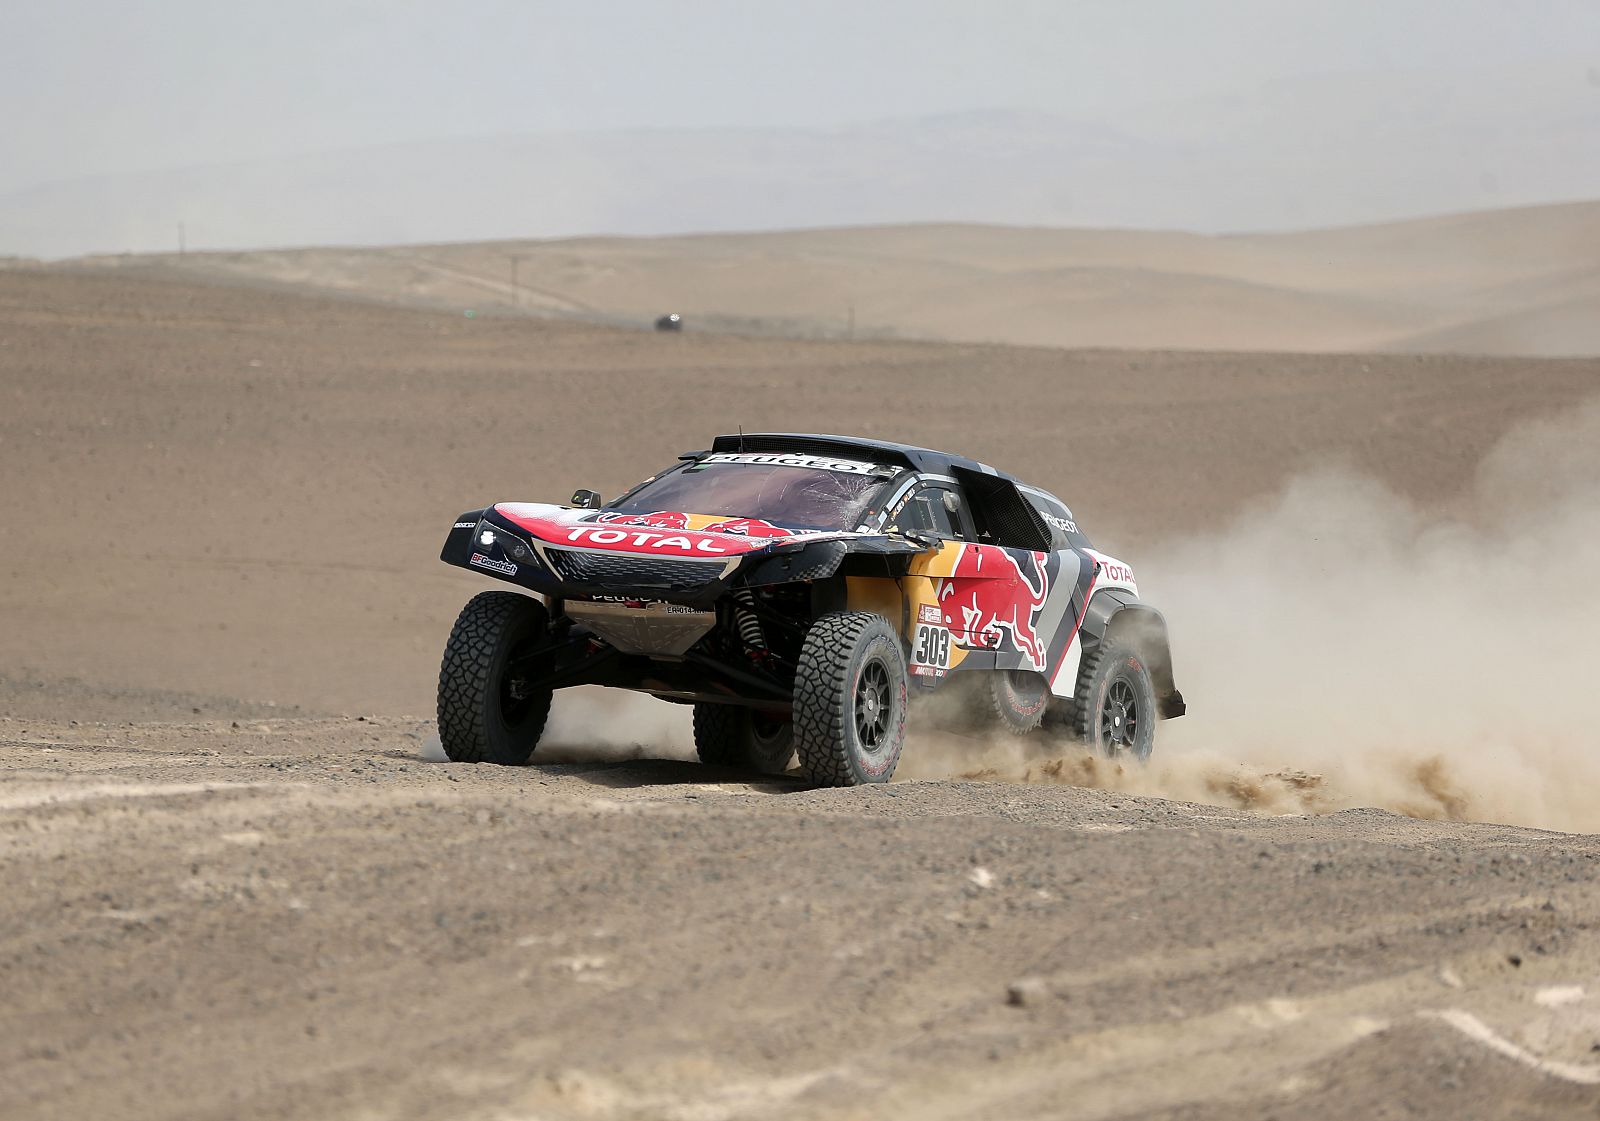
(1118, 614)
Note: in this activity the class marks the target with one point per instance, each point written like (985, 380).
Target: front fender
(458, 542)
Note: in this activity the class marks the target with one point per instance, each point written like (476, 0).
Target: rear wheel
(1116, 702)
(735, 736)
(1019, 698)
(850, 700)
(487, 711)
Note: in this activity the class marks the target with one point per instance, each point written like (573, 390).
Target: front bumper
(485, 542)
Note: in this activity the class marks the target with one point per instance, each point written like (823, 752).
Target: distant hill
(1523, 281)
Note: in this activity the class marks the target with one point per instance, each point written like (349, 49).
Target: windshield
(794, 491)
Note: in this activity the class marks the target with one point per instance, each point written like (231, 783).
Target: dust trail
(1340, 647)
(594, 723)
(590, 724)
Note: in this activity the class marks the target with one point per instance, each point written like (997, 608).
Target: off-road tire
(842, 737)
(1115, 676)
(736, 736)
(481, 719)
(1019, 699)
(1060, 717)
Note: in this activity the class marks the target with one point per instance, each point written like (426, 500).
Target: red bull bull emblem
(661, 519)
(748, 527)
(991, 599)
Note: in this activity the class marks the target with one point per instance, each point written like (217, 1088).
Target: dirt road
(305, 918)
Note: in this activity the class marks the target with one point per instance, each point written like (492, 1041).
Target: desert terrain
(1358, 881)
(1510, 282)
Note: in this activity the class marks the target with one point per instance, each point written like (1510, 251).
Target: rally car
(797, 590)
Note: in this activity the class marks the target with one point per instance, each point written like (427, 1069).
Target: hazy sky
(92, 86)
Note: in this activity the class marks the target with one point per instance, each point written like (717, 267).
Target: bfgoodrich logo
(493, 565)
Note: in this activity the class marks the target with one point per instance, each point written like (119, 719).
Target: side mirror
(587, 500)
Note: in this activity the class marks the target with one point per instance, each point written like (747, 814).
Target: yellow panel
(939, 563)
(876, 593)
(924, 590)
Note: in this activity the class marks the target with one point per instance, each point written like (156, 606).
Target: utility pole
(516, 291)
(182, 243)
(851, 333)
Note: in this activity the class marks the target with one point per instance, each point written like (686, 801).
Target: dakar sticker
(930, 650)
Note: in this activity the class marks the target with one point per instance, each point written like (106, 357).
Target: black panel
(1000, 514)
(633, 571)
(797, 444)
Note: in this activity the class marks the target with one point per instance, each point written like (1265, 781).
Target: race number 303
(931, 647)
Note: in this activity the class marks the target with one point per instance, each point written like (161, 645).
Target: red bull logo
(748, 527)
(990, 598)
(661, 519)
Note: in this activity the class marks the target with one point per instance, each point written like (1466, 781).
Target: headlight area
(495, 543)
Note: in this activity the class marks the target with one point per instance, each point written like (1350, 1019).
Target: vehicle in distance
(797, 590)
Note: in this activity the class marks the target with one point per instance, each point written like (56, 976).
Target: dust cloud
(1340, 647)
(589, 724)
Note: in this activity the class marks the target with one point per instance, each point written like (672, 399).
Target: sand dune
(1499, 282)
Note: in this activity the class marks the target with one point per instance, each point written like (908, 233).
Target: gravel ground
(311, 918)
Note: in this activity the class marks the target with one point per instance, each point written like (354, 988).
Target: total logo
(1116, 572)
(643, 539)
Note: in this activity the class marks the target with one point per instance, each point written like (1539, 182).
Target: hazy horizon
(370, 122)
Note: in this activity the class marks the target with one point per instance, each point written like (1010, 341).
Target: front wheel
(850, 700)
(734, 736)
(1116, 702)
(488, 713)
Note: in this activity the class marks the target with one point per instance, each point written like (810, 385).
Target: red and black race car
(795, 589)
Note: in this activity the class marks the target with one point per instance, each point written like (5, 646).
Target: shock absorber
(749, 626)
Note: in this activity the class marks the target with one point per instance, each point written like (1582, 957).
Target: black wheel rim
(517, 700)
(1119, 718)
(873, 705)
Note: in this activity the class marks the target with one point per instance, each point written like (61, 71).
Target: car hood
(661, 533)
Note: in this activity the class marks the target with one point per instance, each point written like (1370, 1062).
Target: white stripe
(905, 489)
(1473, 1028)
(1067, 671)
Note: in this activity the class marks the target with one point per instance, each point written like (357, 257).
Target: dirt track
(304, 919)
(231, 502)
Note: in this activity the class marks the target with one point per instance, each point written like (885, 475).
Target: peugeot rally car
(796, 590)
